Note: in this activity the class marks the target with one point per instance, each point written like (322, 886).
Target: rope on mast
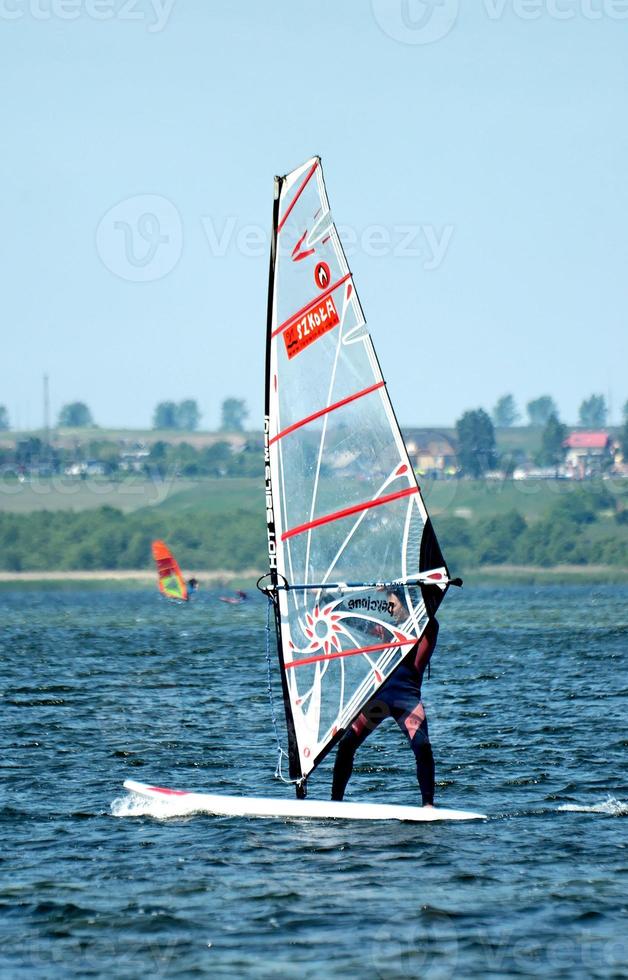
(280, 750)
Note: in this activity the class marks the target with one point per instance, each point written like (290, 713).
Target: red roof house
(586, 451)
(591, 442)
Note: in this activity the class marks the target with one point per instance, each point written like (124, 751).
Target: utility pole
(47, 417)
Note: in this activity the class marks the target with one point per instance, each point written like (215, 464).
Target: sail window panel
(341, 466)
(323, 375)
(367, 547)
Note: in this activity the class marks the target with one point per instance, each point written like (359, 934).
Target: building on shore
(587, 453)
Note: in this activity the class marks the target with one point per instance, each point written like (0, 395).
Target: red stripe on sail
(296, 197)
(308, 306)
(348, 653)
(325, 411)
(348, 511)
(296, 254)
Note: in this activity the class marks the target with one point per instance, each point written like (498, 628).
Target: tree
(188, 415)
(165, 416)
(552, 449)
(217, 458)
(476, 443)
(625, 412)
(540, 409)
(4, 419)
(505, 412)
(497, 537)
(593, 412)
(623, 441)
(234, 412)
(75, 415)
(28, 451)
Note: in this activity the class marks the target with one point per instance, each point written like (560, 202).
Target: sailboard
(170, 580)
(345, 516)
(178, 803)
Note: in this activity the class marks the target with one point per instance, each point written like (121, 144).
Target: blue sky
(476, 157)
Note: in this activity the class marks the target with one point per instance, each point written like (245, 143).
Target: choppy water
(527, 706)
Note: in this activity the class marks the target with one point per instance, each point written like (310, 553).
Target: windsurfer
(398, 698)
(193, 585)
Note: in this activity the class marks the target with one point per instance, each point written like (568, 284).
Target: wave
(138, 806)
(611, 807)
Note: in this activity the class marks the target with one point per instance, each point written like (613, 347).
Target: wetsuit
(398, 698)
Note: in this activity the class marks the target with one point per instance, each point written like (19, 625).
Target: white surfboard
(181, 803)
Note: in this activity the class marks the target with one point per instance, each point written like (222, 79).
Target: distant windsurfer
(398, 698)
(234, 600)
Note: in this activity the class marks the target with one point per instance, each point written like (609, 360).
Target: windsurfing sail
(344, 511)
(171, 582)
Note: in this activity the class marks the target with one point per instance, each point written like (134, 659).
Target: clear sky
(477, 158)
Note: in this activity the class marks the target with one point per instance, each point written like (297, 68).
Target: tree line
(475, 432)
(572, 532)
(164, 459)
(184, 416)
(568, 534)
(477, 452)
(592, 414)
(108, 539)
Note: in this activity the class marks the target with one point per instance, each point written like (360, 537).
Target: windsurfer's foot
(429, 806)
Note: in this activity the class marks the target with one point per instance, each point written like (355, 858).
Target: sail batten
(374, 648)
(348, 512)
(343, 503)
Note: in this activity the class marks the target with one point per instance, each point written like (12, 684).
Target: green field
(64, 493)
(469, 499)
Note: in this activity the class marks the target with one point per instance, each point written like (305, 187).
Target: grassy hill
(469, 499)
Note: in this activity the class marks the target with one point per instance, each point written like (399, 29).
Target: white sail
(343, 504)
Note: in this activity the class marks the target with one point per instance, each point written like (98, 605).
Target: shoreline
(141, 576)
(484, 574)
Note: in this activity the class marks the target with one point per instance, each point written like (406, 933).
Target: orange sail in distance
(171, 582)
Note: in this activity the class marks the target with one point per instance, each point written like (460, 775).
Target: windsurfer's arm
(426, 645)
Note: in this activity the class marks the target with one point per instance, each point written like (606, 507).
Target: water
(527, 706)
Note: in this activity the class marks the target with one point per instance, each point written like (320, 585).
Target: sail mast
(293, 754)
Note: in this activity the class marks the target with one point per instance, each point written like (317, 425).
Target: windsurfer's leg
(425, 771)
(343, 766)
(414, 724)
(365, 723)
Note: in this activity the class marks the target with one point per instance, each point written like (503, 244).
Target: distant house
(587, 453)
(133, 460)
(91, 467)
(431, 453)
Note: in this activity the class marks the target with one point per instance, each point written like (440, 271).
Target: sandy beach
(122, 575)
